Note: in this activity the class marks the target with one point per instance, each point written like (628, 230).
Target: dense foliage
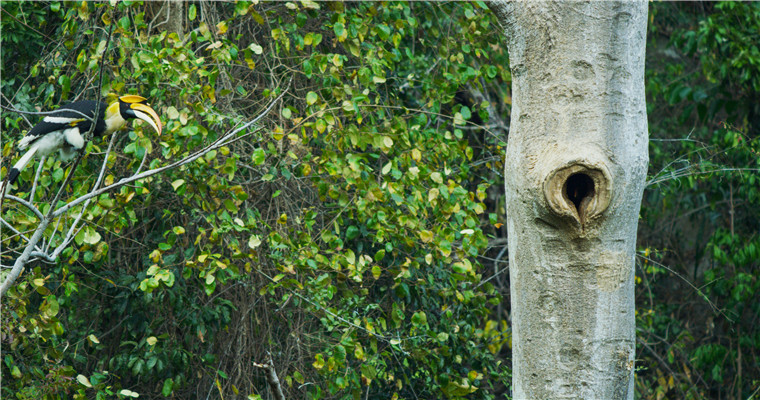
(355, 235)
(698, 303)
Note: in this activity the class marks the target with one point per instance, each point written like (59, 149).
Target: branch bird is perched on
(64, 129)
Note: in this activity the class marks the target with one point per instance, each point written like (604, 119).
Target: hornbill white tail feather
(20, 164)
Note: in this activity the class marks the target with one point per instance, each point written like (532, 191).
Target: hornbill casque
(64, 129)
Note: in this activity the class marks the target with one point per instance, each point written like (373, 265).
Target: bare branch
(72, 233)
(272, 379)
(15, 231)
(36, 179)
(26, 204)
(24, 257)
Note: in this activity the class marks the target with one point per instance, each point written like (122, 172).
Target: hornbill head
(133, 106)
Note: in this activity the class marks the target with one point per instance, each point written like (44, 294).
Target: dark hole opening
(577, 187)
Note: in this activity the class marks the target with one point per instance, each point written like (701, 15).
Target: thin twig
(7, 100)
(680, 174)
(26, 204)
(663, 363)
(699, 291)
(36, 179)
(15, 231)
(56, 111)
(142, 163)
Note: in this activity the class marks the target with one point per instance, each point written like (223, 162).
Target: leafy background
(356, 235)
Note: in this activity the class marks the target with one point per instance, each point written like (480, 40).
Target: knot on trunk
(579, 190)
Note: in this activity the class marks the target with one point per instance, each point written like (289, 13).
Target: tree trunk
(575, 170)
(168, 15)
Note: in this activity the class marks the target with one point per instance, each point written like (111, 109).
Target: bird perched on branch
(65, 129)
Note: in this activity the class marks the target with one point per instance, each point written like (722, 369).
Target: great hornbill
(64, 129)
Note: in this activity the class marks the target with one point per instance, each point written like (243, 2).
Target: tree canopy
(354, 233)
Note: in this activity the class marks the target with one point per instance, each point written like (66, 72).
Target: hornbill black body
(64, 130)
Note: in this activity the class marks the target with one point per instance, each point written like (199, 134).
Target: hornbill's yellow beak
(139, 106)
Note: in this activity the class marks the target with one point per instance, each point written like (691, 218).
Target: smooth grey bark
(576, 165)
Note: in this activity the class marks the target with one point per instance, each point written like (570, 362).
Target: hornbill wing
(77, 114)
(62, 130)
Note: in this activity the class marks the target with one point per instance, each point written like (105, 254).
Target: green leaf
(387, 168)
(257, 49)
(459, 268)
(321, 125)
(340, 31)
(466, 113)
(84, 381)
(241, 8)
(177, 184)
(209, 288)
(168, 387)
(311, 98)
(254, 241)
(383, 32)
(319, 361)
(258, 157)
(307, 69)
(129, 393)
(191, 14)
(87, 235)
(419, 318)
